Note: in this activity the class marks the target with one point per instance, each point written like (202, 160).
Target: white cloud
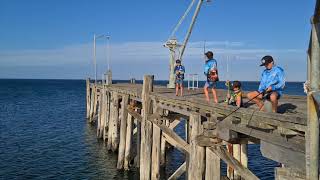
(135, 59)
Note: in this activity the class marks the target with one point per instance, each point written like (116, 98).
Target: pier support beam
(197, 154)
(92, 102)
(107, 115)
(146, 129)
(113, 123)
(129, 134)
(212, 166)
(156, 150)
(123, 130)
(312, 141)
(88, 97)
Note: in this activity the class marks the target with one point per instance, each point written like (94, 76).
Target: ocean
(44, 134)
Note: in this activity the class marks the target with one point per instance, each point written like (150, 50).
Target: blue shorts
(179, 81)
(210, 84)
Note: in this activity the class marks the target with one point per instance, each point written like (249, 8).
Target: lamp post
(95, 37)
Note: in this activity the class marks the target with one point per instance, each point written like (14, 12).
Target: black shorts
(268, 94)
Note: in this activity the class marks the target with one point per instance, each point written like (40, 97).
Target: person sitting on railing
(179, 71)
(271, 85)
(211, 72)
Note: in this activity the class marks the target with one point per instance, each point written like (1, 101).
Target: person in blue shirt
(179, 71)
(211, 73)
(271, 84)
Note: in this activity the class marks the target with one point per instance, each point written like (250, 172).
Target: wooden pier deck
(148, 114)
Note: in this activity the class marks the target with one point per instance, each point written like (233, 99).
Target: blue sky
(53, 39)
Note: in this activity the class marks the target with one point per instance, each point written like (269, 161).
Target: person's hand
(269, 89)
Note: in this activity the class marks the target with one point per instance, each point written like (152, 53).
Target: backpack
(213, 75)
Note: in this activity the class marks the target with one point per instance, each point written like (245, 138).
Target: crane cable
(182, 19)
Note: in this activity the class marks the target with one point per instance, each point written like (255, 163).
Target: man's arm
(262, 86)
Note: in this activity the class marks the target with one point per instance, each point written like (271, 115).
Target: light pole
(95, 37)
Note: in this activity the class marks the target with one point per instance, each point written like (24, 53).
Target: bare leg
(206, 93)
(257, 100)
(181, 89)
(177, 89)
(274, 101)
(214, 93)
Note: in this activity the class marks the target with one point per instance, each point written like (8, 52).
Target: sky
(53, 39)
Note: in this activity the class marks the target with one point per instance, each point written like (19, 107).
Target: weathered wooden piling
(196, 167)
(113, 139)
(123, 131)
(146, 129)
(88, 89)
(127, 152)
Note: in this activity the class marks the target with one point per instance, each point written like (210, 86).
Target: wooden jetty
(137, 121)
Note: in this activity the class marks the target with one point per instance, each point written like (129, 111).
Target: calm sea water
(44, 134)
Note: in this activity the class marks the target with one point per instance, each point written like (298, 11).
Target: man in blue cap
(271, 85)
(211, 73)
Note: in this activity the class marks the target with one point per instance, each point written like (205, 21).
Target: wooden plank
(289, 174)
(178, 172)
(171, 137)
(146, 129)
(134, 114)
(294, 143)
(283, 155)
(123, 130)
(174, 123)
(204, 141)
(212, 166)
(197, 157)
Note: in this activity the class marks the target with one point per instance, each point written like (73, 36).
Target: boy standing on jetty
(179, 70)
(211, 72)
(271, 85)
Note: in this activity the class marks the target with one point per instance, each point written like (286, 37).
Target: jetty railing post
(92, 103)
(197, 154)
(312, 143)
(146, 129)
(123, 129)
